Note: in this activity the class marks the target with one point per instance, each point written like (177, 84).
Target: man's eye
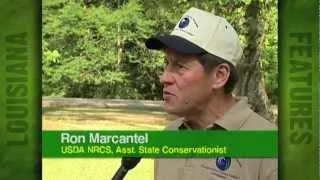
(180, 66)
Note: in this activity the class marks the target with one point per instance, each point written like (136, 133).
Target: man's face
(187, 89)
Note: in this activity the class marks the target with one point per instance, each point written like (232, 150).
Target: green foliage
(96, 48)
(269, 46)
(80, 49)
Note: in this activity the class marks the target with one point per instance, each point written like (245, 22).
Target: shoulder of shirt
(174, 125)
(257, 122)
(253, 122)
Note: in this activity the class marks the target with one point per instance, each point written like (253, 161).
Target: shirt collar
(233, 119)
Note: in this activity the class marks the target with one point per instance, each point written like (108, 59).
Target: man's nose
(166, 78)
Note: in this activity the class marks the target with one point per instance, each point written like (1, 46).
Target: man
(201, 53)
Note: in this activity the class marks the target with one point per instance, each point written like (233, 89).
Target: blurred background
(98, 75)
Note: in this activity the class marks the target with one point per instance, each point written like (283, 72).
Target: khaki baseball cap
(200, 32)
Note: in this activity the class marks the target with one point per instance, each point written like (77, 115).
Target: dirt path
(102, 119)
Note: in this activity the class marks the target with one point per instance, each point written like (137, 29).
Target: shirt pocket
(212, 170)
(194, 173)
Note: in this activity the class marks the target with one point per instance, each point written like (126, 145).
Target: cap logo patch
(188, 25)
(184, 22)
(223, 163)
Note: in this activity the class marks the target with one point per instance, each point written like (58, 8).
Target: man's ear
(220, 76)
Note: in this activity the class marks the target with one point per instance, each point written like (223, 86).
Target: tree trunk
(119, 38)
(251, 82)
(119, 45)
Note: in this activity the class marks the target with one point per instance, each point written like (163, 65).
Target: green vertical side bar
(20, 89)
(299, 78)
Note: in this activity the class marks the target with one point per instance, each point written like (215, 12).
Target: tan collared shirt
(239, 117)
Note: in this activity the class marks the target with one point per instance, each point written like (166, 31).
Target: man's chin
(170, 109)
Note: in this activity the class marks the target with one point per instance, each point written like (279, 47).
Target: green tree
(80, 52)
(95, 48)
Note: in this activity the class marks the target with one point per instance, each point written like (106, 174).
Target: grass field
(98, 119)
